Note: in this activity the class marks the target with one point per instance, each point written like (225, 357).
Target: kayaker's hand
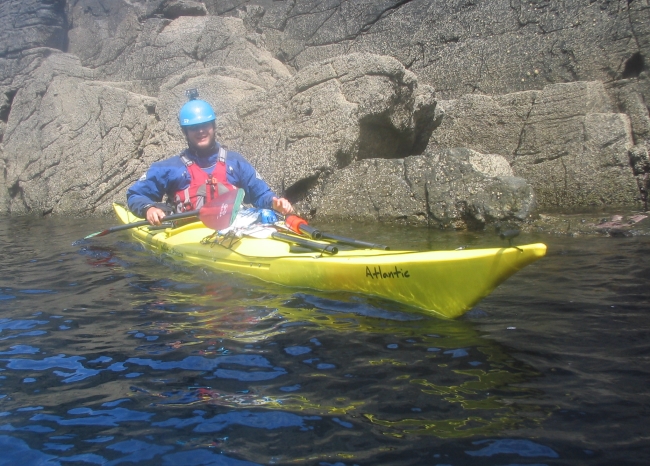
(155, 215)
(282, 205)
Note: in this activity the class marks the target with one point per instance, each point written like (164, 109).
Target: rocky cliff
(445, 113)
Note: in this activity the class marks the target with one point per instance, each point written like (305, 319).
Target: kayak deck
(447, 283)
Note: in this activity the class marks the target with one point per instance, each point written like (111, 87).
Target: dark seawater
(109, 355)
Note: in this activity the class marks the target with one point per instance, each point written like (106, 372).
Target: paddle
(300, 226)
(216, 214)
(328, 248)
(270, 232)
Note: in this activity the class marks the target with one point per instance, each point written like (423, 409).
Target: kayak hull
(447, 283)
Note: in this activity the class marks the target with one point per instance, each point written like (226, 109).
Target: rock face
(448, 114)
(27, 24)
(74, 143)
(457, 188)
(488, 50)
(461, 46)
(62, 136)
(148, 52)
(333, 113)
(566, 139)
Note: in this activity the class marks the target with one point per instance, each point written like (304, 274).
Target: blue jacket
(167, 177)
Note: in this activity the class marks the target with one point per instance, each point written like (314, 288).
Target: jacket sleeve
(240, 173)
(162, 178)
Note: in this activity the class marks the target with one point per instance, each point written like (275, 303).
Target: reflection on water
(110, 355)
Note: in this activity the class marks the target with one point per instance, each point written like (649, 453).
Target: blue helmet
(196, 112)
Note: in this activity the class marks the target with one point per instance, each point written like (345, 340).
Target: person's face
(200, 137)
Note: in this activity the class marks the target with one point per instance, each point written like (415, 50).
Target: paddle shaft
(327, 248)
(300, 226)
(128, 226)
(353, 242)
(317, 234)
(218, 213)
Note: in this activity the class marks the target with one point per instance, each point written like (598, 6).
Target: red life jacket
(203, 187)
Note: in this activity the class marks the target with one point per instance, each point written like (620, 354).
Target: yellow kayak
(447, 283)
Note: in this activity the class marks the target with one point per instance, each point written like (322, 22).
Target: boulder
(631, 96)
(148, 51)
(566, 139)
(172, 9)
(331, 114)
(488, 124)
(461, 47)
(576, 150)
(28, 24)
(446, 188)
(71, 144)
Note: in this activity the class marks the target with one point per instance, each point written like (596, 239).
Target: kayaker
(202, 171)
